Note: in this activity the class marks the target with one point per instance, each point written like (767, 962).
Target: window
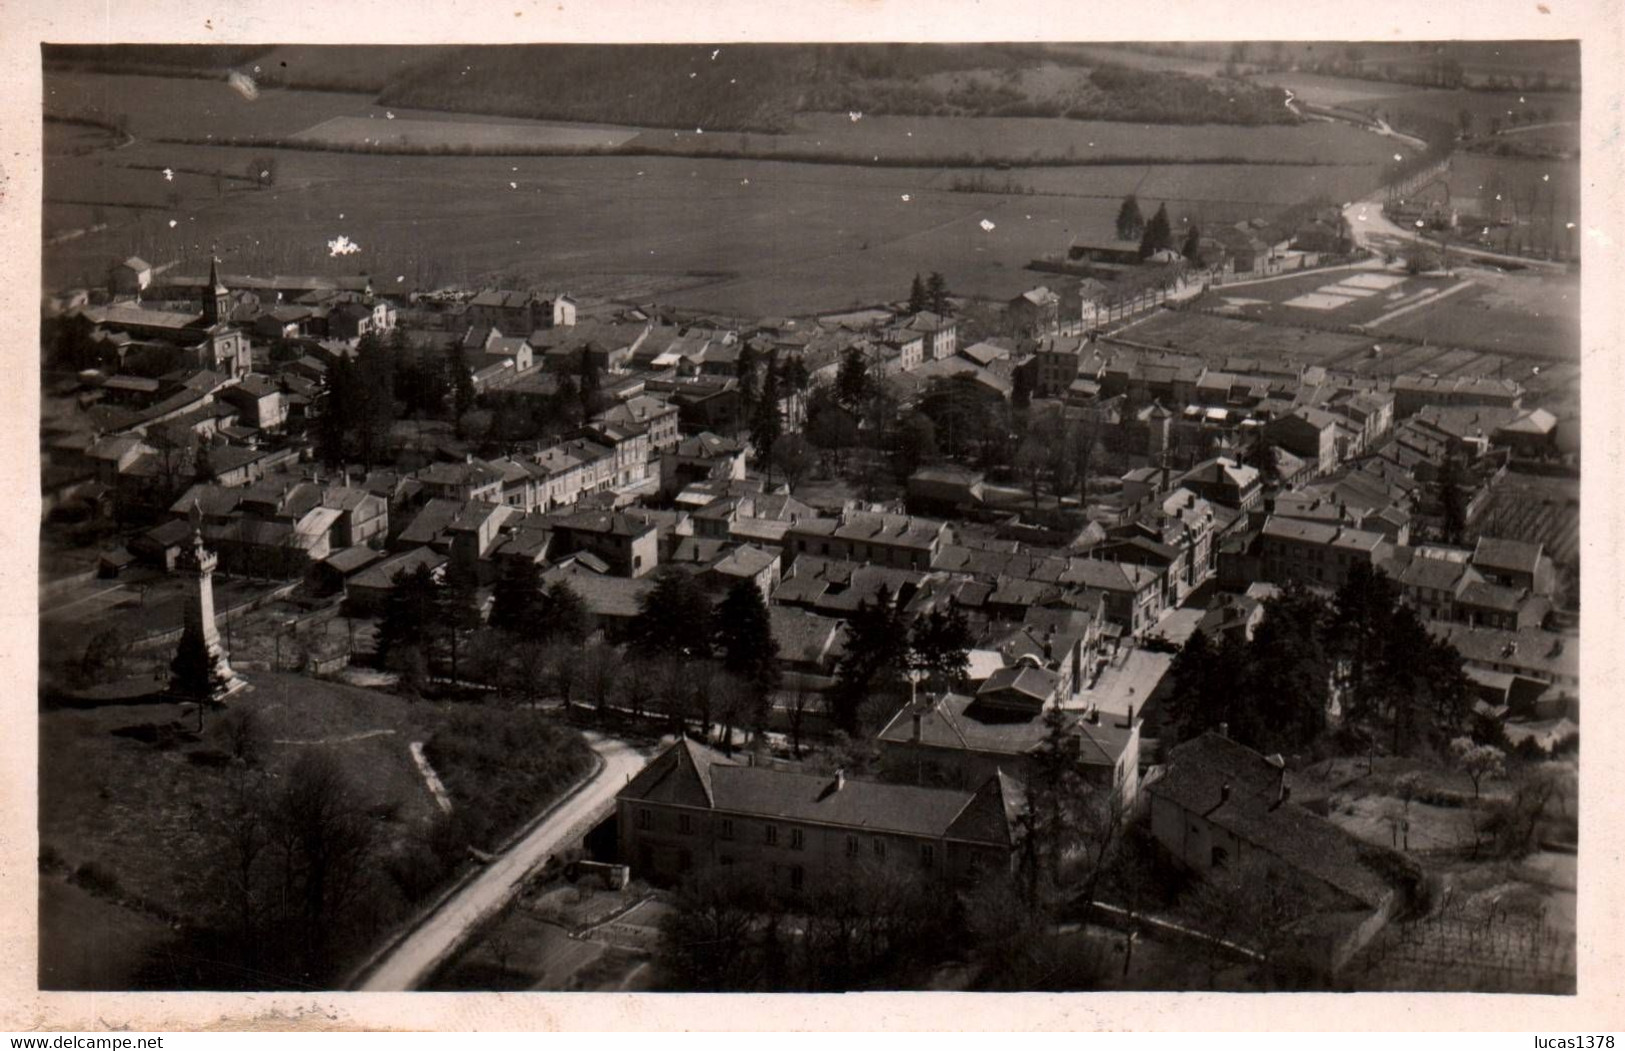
(928, 855)
(1221, 857)
(645, 819)
(851, 846)
(685, 824)
(880, 848)
(726, 829)
(797, 839)
(771, 835)
(797, 877)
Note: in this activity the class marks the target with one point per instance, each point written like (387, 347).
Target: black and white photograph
(1062, 516)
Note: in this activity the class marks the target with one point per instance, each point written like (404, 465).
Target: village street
(408, 963)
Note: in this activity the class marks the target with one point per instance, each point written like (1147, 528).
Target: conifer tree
(744, 635)
(1130, 223)
(765, 423)
(916, 295)
(1158, 234)
(1192, 248)
(561, 615)
(674, 617)
(936, 294)
(516, 598)
(192, 674)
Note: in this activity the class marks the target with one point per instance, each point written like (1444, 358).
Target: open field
(1018, 139)
(810, 237)
(141, 604)
(145, 812)
(349, 67)
(1526, 315)
(1556, 137)
(752, 236)
(1217, 338)
(1321, 90)
(1273, 335)
(169, 106)
(1539, 197)
(1537, 510)
(478, 134)
(1342, 297)
(154, 818)
(1485, 106)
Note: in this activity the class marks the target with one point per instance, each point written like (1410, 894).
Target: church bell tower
(217, 299)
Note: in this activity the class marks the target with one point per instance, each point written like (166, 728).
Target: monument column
(200, 670)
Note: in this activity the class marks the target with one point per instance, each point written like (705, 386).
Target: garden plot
(1322, 299)
(1375, 282)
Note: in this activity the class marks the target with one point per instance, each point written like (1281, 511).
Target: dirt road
(409, 963)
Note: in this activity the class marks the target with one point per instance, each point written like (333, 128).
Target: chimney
(1130, 722)
(1094, 716)
(840, 778)
(917, 721)
(1224, 731)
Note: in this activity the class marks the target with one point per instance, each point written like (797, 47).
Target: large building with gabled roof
(693, 808)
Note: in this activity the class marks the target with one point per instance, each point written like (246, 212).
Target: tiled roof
(957, 721)
(1238, 790)
(746, 560)
(1508, 555)
(1035, 683)
(604, 596)
(351, 559)
(1481, 595)
(1435, 573)
(869, 806)
(799, 632)
(1528, 649)
(682, 775)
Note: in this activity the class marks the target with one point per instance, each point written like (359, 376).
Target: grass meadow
(752, 236)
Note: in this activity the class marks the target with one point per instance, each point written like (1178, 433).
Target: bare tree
(601, 672)
(803, 699)
(327, 849)
(1249, 913)
(247, 841)
(524, 674)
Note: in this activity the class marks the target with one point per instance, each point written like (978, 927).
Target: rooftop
(1239, 790)
(694, 775)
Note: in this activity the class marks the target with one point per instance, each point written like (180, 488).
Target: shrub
(1530, 750)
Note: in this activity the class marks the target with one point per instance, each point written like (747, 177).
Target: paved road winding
(1368, 224)
(408, 963)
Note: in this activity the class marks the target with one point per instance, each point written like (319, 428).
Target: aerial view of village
(810, 518)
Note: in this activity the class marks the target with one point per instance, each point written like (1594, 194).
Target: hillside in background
(750, 88)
